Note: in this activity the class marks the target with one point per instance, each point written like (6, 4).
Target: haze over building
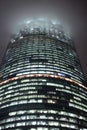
(42, 86)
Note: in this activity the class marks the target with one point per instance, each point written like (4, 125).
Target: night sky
(72, 14)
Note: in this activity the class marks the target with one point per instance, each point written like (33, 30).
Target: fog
(71, 14)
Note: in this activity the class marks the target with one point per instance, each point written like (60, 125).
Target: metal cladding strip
(43, 75)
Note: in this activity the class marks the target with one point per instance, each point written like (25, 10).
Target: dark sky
(72, 14)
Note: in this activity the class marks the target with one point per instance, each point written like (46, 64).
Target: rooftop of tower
(41, 26)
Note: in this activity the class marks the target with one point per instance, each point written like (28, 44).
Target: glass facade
(42, 86)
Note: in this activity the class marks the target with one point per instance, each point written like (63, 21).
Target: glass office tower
(42, 86)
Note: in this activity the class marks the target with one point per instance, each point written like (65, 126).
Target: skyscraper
(42, 86)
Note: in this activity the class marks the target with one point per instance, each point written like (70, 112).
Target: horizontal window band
(43, 75)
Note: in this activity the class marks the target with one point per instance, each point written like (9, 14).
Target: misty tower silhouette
(42, 86)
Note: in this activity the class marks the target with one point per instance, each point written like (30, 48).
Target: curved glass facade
(42, 86)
